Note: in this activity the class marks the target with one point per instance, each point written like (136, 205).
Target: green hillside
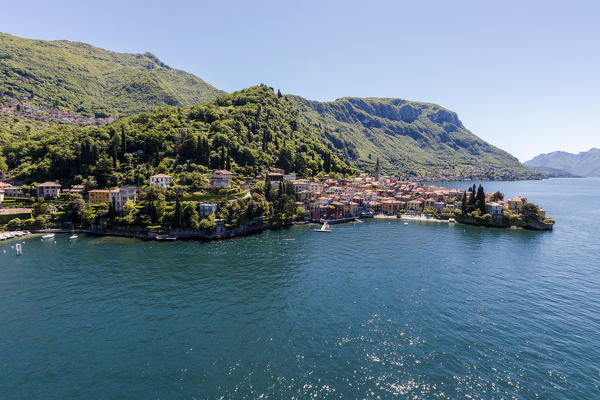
(73, 76)
(246, 131)
(412, 138)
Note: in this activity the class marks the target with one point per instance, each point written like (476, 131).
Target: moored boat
(324, 228)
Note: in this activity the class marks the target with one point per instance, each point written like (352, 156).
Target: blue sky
(523, 75)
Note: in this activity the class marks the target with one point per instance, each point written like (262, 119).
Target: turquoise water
(370, 310)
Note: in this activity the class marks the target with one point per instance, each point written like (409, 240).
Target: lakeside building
(47, 190)
(99, 196)
(13, 191)
(1, 195)
(119, 196)
(122, 195)
(162, 180)
(206, 209)
(221, 178)
(377, 172)
(516, 204)
(79, 189)
(494, 209)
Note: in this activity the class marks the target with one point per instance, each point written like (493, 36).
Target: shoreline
(242, 231)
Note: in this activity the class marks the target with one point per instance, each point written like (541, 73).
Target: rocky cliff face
(409, 137)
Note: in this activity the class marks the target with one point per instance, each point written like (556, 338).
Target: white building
(13, 191)
(161, 180)
(494, 209)
(221, 178)
(206, 209)
(47, 190)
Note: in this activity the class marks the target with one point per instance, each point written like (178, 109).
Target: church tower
(377, 170)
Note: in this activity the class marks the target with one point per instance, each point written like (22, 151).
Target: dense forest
(247, 132)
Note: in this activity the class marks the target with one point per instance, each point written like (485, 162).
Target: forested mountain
(49, 84)
(77, 77)
(408, 137)
(586, 163)
(246, 131)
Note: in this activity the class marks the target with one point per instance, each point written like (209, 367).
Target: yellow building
(99, 196)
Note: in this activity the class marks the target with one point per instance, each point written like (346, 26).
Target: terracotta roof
(161, 176)
(223, 172)
(48, 184)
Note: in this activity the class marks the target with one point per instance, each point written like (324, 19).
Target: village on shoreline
(232, 208)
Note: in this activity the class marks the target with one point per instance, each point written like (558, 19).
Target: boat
(452, 220)
(367, 214)
(324, 228)
(48, 235)
(3, 236)
(18, 249)
(73, 237)
(406, 223)
(165, 238)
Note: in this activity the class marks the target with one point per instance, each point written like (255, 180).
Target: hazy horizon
(520, 76)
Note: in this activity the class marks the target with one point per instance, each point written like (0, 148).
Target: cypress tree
(222, 158)
(178, 213)
(481, 200)
(464, 203)
(472, 199)
(267, 187)
(123, 141)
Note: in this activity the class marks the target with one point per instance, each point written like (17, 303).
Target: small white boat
(73, 237)
(19, 249)
(406, 223)
(3, 236)
(452, 220)
(48, 236)
(9, 235)
(324, 228)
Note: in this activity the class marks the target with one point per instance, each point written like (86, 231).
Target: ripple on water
(377, 309)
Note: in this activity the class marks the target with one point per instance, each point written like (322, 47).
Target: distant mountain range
(586, 163)
(50, 82)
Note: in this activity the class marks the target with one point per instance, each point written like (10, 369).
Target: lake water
(369, 310)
